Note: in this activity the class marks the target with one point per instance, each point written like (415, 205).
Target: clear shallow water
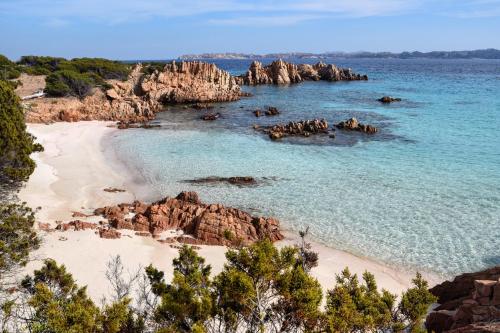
(424, 193)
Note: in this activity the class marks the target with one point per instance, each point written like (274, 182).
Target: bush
(69, 83)
(103, 68)
(16, 144)
(36, 65)
(8, 69)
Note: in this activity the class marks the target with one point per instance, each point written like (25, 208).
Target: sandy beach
(71, 175)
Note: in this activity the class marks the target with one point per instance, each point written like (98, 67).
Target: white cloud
(259, 21)
(238, 12)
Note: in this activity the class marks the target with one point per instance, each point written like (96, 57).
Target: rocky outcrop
(281, 72)
(461, 286)
(190, 82)
(142, 95)
(353, 125)
(296, 128)
(389, 99)
(469, 303)
(211, 224)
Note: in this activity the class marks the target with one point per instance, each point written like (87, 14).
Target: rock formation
(142, 95)
(469, 303)
(212, 224)
(389, 99)
(281, 72)
(353, 125)
(296, 128)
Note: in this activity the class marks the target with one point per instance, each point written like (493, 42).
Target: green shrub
(16, 144)
(8, 69)
(36, 65)
(69, 83)
(105, 69)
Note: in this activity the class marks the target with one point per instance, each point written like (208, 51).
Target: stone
(353, 125)
(210, 116)
(76, 225)
(484, 288)
(439, 321)
(109, 233)
(257, 113)
(388, 99)
(272, 111)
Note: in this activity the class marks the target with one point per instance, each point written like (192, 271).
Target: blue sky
(160, 29)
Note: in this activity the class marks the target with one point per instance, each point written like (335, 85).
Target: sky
(164, 29)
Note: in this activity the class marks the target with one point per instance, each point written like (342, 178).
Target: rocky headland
(138, 98)
(282, 72)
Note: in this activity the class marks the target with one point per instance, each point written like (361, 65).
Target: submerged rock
(389, 99)
(212, 224)
(210, 116)
(272, 111)
(353, 125)
(281, 72)
(238, 181)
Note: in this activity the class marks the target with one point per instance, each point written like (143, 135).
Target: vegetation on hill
(76, 77)
(16, 144)
(8, 69)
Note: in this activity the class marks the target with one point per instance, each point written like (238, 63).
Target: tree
(16, 144)
(353, 307)
(57, 304)
(263, 289)
(415, 302)
(69, 83)
(186, 303)
(17, 238)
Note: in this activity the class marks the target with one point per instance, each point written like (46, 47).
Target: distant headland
(473, 54)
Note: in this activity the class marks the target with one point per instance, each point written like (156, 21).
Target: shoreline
(71, 175)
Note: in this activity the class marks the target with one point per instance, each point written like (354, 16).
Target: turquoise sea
(423, 193)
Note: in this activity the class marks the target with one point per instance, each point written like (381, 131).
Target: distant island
(474, 54)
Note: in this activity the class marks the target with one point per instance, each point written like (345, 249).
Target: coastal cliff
(282, 72)
(140, 96)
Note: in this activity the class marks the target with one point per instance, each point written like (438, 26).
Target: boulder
(389, 99)
(353, 125)
(109, 233)
(210, 116)
(272, 111)
(473, 303)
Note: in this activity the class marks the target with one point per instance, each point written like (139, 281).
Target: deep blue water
(423, 193)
